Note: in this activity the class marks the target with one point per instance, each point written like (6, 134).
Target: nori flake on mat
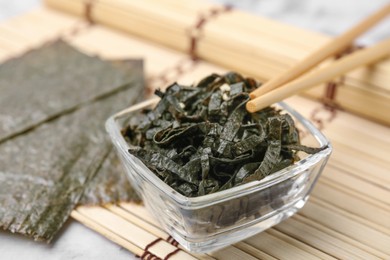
(45, 171)
(200, 140)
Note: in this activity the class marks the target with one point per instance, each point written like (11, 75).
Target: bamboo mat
(239, 41)
(348, 214)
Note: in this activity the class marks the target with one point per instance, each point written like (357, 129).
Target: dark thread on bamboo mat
(195, 32)
(74, 31)
(171, 254)
(319, 119)
(331, 88)
(63, 35)
(171, 74)
(148, 255)
(77, 28)
(172, 241)
(88, 7)
(184, 66)
(330, 106)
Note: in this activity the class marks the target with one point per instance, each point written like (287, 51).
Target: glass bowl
(211, 222)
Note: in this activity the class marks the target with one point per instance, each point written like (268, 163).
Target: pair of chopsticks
(292, 81)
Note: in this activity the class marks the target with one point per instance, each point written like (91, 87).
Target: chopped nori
(63, 153)
(202, 140)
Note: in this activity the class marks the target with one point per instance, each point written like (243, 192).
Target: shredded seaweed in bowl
(200, 140)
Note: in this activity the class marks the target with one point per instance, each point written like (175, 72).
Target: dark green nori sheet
(45, 171)
(109, 185)
(46, 82)
(201, 140)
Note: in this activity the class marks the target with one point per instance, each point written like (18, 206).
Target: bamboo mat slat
(314, 251)
(106, 232)
(351, 202)
(18, 36)
(348, 215)
(367, 189)
(377, 172)
(272, 245)
(323, 239)
(368, 236)
(123, 228)
(253, 251)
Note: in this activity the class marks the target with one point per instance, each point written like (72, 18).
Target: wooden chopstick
(339, 67)
(330, 49)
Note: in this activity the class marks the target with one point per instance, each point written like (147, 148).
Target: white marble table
(78, 242)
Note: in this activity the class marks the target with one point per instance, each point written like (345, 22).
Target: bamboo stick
(332, 48)
(338, 68)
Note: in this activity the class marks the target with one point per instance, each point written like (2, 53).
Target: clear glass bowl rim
(114, 132)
